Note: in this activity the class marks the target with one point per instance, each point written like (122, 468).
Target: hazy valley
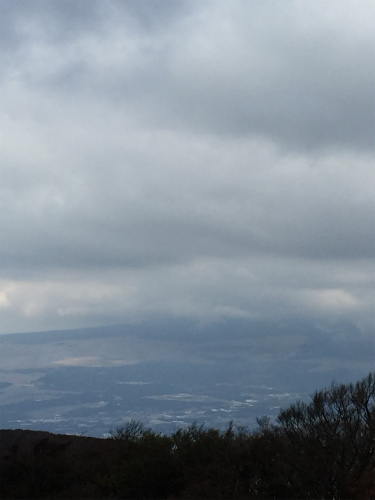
(169, 374)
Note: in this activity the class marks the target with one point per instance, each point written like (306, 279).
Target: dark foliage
(324, 449)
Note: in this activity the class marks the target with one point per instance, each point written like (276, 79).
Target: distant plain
(169, 374)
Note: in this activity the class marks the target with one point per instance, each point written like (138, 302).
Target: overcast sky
(203, 159)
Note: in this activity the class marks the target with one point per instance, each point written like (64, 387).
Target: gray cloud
(197, 158)
(300, 76)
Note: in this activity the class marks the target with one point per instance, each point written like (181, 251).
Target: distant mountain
(171, 373)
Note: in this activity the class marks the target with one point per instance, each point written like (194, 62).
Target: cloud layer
(202, 159)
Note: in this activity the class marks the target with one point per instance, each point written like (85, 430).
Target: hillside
(324, 449)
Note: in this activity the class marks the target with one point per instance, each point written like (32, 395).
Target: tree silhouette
(332, 439)
(324, 449)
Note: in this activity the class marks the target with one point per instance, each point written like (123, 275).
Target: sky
(186, 159)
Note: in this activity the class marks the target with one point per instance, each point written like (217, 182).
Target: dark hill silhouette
(325, 449)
